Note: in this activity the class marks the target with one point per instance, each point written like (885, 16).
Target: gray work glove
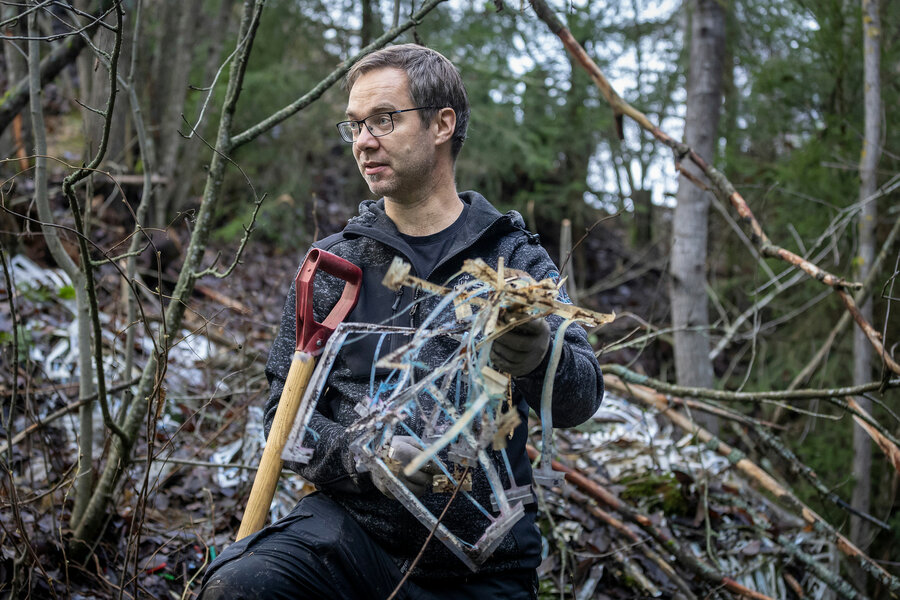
(403, 449)
(520, 350)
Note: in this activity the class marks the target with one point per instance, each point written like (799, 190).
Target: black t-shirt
(428, 250)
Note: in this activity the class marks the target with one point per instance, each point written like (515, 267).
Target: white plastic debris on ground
(58, 355)
(247, 450)
(53, 344)
(630, 440)
(26, 273)
(57, 360)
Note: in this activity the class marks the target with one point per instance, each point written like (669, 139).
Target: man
(407, 119)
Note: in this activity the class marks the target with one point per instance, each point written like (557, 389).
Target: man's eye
(384, 121)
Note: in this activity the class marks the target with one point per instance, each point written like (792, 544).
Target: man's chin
(378, 186)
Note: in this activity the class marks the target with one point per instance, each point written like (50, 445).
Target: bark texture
(687, 285)
(173, 94)
(862, 349)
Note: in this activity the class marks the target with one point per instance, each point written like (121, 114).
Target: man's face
(398, 165)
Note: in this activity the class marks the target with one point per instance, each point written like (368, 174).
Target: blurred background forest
(222, 121)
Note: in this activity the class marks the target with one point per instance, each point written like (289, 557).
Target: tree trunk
(642, 200)
(687, 284)
(366, 34)
(105, 39)
(12, 101)
(862, 349)
(15, 72)
(177, 71)
(190, 163)
(567, 260)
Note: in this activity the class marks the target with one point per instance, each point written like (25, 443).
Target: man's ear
(446, 125)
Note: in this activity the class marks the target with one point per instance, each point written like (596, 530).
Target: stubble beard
(392, 187)
(373, 182)
(411, 179)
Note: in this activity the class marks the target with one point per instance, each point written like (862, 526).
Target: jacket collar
(373, 222)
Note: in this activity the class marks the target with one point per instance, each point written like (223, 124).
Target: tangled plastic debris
(461, 401)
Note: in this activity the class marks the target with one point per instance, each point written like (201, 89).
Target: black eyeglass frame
(362, 123)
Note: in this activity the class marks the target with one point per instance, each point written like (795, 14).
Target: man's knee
(233, 578)
(263, 575)
(317, 551)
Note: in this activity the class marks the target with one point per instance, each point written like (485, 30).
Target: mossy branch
(832, 396)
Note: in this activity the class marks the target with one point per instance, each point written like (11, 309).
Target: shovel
(311, 337)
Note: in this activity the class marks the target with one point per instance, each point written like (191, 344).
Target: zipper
(415, 306)
(396, 304)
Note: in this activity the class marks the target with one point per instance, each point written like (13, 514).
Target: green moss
(5, 97)
(656, 490)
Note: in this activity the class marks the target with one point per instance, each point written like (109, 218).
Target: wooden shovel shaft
(266, 479)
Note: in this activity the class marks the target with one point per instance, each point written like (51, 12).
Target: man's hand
(403, 450)
(520, 350)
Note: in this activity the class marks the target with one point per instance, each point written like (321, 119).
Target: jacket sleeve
(332, 466)
(578, 382)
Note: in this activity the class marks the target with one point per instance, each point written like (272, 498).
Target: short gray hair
(433, 81)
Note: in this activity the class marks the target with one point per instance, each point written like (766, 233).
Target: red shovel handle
(311, 336)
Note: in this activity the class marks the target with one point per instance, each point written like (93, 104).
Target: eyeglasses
(378, 124)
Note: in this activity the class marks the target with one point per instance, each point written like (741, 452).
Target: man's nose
(366, 139)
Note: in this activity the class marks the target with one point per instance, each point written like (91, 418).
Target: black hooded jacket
(371, 241)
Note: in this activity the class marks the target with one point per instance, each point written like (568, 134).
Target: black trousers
(318, 551)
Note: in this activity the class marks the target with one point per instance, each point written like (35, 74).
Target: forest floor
(183, 501)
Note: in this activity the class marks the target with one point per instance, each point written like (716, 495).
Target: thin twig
(797, 467)
(248, 230)
(587, 232)
(14, 318)
(61, 412)
(803, 394)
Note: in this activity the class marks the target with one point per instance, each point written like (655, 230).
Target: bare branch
(797, 467)
(693, 392)
(68, 190)
(14, 317)
(268, 123)
(240, 251)
(211, 89)
(95, 21)
(25, 13)
(61, 412)
(868, 284)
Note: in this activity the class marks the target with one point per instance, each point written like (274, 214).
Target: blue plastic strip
(547, 395)
(375, 360)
